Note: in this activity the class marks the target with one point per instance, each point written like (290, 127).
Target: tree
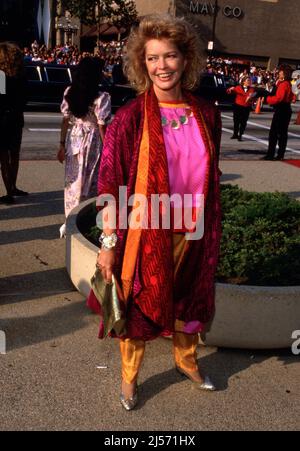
(121, 13)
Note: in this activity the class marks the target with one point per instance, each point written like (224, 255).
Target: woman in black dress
(12, 105)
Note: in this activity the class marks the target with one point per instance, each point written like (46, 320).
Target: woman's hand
(61, 153)
(105, 262)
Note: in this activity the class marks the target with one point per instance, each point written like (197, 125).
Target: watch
(108, 242)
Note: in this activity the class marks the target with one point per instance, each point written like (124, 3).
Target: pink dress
(186, 153)
(187, 164)
(83, 151)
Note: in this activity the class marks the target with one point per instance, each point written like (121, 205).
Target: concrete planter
(246, 316)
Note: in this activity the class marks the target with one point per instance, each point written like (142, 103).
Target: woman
(88, 110)
(164, 142)
(242, 106)
(11, 118)
(283, 112)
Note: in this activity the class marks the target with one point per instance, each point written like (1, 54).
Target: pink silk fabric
(186, 154)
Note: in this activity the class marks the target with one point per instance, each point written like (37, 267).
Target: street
(41, 136)
(42, 133)
(255, 139)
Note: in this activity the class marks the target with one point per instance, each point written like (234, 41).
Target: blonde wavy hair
(11, 59)
(179, 32)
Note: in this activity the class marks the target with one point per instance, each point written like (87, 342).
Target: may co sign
(209, 8)
(2, 82)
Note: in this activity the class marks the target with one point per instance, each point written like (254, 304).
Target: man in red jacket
(282, 116)
(242, 106)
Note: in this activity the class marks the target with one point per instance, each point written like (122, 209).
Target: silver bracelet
(108, 242)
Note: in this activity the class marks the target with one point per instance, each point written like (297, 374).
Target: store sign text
(209, 8)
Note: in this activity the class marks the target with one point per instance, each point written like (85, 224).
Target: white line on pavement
(44, 130)
(262, 141)
(39, 293)
(44, 116)
(259, 125)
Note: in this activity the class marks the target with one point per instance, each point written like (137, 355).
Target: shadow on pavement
(252, 152)
(227, 177)
(220, 366)
(38, 233)
(242, 154)
(27, 287)
(35, 205)
(58, 322)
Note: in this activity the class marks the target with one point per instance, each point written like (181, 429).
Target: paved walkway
(49, 376)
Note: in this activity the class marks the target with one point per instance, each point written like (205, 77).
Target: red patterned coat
(153, 307)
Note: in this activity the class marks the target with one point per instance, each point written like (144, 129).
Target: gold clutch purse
(110, 298)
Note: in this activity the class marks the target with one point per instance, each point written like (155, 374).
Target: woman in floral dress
(88, 111)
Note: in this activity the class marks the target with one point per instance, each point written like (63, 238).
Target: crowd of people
(255, 85)
(110, 53)
(69, 54)
(234, 70)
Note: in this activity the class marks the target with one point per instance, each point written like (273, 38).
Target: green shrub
(88, 226)
(260, 238)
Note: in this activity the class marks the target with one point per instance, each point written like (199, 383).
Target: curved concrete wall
(246, 316)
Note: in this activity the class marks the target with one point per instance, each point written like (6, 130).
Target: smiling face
(165, 65)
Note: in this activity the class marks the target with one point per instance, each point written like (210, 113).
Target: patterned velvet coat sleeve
(114, 164)
(119, 161)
